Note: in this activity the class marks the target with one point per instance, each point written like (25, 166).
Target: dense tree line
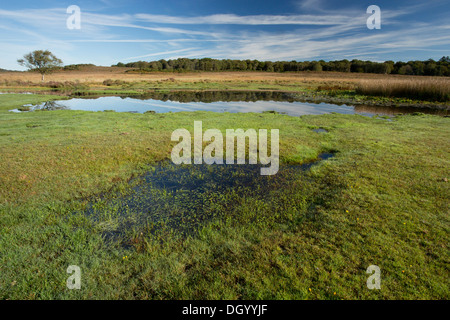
(78, 66)
(428, 67)
(213, 96)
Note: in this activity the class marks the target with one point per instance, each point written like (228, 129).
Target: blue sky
(125, 31)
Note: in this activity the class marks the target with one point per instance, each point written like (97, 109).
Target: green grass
(383, 200)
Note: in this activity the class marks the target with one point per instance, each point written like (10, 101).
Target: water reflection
(51, 105)
(222, 101)
(218, 96)
(141, 106)
(45, 106)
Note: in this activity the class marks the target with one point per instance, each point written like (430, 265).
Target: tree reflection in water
(50, 106)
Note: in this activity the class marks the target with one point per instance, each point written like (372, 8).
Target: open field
(99, 74)
(383, 199)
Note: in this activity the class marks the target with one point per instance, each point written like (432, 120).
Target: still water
(183, 197)
(223, 102)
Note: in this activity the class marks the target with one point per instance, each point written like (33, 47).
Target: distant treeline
(71, 67)
(428, 67)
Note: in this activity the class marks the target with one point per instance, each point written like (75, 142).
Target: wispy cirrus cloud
(246, 20)
(159, 54)
(311, 5)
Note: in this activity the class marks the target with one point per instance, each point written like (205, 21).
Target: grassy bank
(382, 200)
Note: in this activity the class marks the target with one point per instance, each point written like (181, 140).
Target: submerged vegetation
(74, 185)
(184, 198)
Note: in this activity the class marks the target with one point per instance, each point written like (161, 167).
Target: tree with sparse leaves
(41, 61)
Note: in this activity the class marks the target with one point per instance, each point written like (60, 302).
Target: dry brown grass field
(99, 74)
(421, 89)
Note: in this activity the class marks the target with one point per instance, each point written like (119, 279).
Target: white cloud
(247, 20)
(311, 5)
(158, 54)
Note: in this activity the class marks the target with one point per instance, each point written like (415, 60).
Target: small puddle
(320, 130)
(181, 198)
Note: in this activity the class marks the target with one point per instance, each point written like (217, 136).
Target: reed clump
(418, 89)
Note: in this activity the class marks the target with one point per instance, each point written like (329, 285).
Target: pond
(217, 101)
